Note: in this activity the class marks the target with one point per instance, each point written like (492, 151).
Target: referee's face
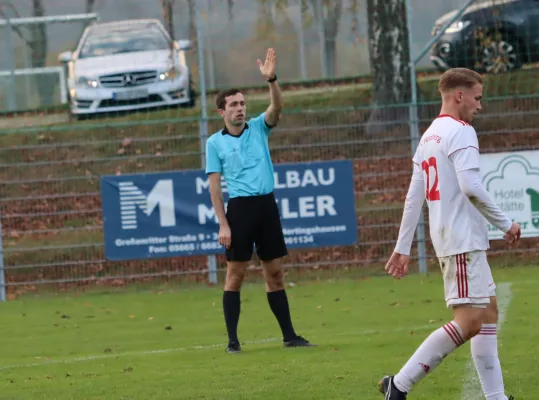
(234, 112)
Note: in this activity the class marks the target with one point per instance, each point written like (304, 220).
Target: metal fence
(51, 211)
(50, 205)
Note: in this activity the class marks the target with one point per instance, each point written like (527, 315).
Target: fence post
(414, 137)
(2, 270)
(12, 100)
(322, 37)
(301, 42)
(203, 131)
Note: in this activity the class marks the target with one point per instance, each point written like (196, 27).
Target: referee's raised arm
(267, 69)
(239, 153)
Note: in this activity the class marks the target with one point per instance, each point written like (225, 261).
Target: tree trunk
(168, 16)
(191, 4)
(46, 83)
(390, 60)
(329, 12)
(331, 30)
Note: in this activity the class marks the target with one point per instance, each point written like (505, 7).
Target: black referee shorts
(255, 221)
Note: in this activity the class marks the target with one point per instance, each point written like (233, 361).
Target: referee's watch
(273, 79)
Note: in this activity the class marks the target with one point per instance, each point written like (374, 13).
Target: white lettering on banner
(161, 195)
(294, 179)
(140, 242)
(203, 184)
(325, 205)
(306, 207)
(205, 214)
(183, 239)
(157, 249)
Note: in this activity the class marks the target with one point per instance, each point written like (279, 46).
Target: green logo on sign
(534, 198)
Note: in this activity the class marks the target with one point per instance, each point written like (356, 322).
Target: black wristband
(273, 79)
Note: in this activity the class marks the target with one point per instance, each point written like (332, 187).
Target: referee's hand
(225, 236)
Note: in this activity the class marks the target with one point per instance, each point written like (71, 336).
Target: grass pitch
(169, 344)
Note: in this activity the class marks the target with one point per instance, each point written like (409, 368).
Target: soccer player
(240, 154)
(446, 174)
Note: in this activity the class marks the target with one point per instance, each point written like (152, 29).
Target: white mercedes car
(127, 65)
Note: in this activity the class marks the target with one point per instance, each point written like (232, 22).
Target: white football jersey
(456, 226)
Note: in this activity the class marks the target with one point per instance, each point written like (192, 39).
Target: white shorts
(467, 279)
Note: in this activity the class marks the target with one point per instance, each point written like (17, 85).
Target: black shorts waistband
(259, 197)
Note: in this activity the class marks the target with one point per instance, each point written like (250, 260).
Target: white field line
(471, 388)
(202, 347)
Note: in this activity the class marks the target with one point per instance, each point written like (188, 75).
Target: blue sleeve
(213, 162)
(261, 123)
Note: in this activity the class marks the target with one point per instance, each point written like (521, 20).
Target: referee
(240, 154)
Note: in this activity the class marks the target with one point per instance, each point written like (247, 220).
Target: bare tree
(37, 42)
(390, 61)
(326, 13)
(167, 6)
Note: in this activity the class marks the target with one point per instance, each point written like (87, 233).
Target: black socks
(231, 308)
(278, 302)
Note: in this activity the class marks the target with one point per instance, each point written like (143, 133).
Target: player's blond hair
(459, 77)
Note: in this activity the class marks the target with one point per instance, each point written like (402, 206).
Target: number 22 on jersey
(433, 193)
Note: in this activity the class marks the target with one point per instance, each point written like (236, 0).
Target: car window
(100, 43)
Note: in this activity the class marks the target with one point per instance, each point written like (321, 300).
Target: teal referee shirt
(244, 160)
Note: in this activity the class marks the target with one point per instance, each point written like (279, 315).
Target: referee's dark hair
(220, 100)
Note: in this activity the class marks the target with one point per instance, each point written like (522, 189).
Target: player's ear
(458, 96)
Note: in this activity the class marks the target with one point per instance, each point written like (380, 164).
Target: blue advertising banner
(170, 214)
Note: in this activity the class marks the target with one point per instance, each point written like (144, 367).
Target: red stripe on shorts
(462, 276)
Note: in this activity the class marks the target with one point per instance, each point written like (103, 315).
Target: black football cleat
(298, 342)
(389, 390)
(511, 397)
(233, 348)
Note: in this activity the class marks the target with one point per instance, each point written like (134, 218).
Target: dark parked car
(492, 36)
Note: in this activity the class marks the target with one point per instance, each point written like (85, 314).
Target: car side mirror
(183, 44)
(65, 57)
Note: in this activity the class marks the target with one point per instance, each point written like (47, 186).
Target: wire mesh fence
(50, 204)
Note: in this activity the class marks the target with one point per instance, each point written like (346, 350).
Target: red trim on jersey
(450, 116)
(463, 148)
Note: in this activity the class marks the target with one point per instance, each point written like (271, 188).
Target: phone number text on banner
(170, 214)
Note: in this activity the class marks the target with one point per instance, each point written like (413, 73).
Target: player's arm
(397, 266)
(273, 113)
(217, 201)
(267, 69)
(412, 210)
(214, 169)
(466, 162)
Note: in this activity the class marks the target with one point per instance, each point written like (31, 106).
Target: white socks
(485, 355)
(429, 355)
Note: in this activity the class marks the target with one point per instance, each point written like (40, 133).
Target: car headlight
(171, 74)
(87, 82)
(457, 26)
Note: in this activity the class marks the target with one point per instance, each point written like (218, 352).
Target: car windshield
(126, 39)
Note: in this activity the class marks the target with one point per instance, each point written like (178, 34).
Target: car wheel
(498, 53)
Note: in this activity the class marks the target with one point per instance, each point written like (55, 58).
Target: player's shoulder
(214, 137)
(257, 121)
(451, 127)
(449, 120)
